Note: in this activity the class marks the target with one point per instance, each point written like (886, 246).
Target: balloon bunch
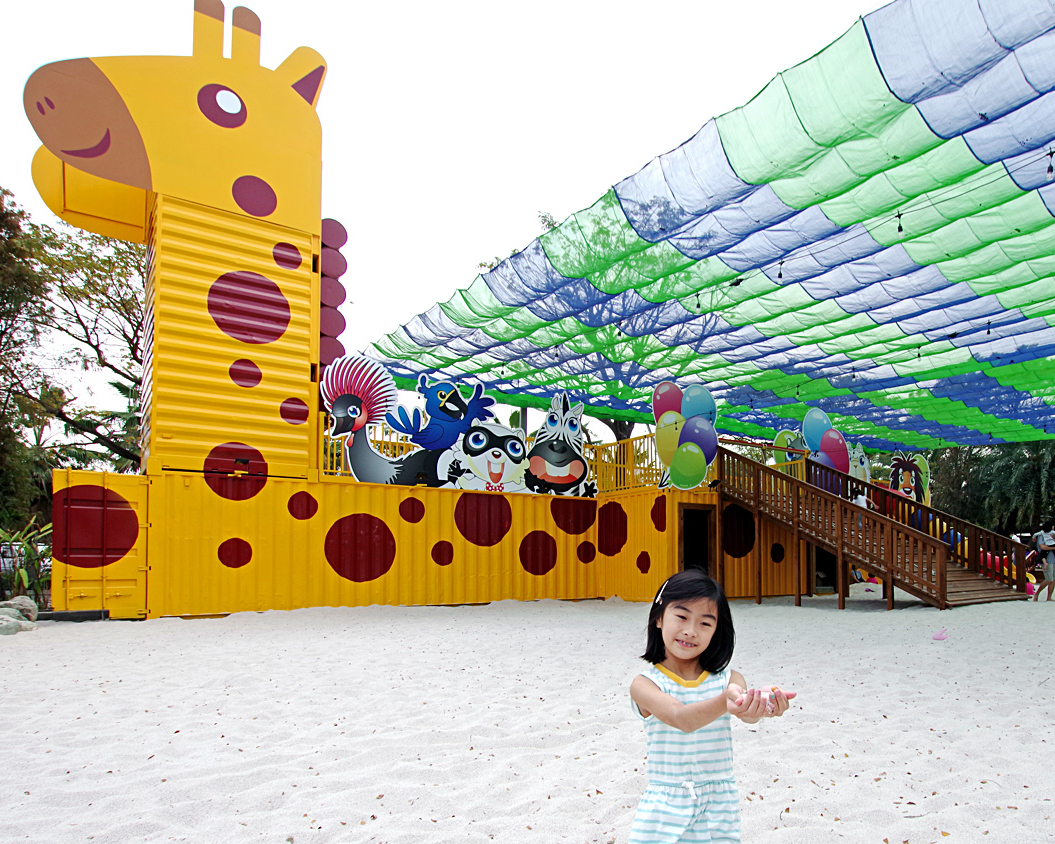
(826, 445)
(685, 437)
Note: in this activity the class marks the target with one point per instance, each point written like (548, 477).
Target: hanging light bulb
(899, 228)
(780, 270)
(1051, 169)
(987, 329)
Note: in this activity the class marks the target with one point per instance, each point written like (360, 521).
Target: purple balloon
(701, 432)
(822, 458)
(666, 396)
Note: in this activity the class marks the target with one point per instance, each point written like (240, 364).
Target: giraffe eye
(222, 106)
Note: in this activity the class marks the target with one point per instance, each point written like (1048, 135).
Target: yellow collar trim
(681, 681)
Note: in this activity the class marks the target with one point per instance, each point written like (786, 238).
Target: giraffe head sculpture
(223, 132)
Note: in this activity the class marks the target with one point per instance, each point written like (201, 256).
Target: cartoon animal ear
(423, 381)
(577, 410)
(305, 69)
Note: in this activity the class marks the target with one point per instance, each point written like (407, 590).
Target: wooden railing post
(758, 531)
(798, 543)
(840, 540)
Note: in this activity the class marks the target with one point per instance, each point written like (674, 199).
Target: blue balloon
(814, 424)
(697, 401)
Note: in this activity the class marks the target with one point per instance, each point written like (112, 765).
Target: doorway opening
(696, 538)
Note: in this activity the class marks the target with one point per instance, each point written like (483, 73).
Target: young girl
(685, 699)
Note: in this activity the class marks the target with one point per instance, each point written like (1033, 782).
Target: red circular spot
(330, 349)
(331, 292)
(93, 527)
(222, 464)
(644, 562)
(573, 516)
(586, 552)
(611, 528)
(360, 547)
(443, 553)
(334, 234)
(287, 255)
(483, 519)
(245, 373)
(235, 553)
(331, 322)
(248, 307)
(738, 531)
(294, 411)
(538, 552)
(659, 513)
(411, 510)
(302, 505)
(333, 263)
(254, 196)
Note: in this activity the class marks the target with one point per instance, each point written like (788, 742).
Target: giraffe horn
(245, 36)
(208, 27)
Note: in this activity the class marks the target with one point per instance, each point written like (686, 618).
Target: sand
(511, 722)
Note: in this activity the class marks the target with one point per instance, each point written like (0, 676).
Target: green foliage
(26, 553)
(1007, 488)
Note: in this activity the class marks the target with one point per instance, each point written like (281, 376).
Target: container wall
(99, 543)
(340, 543)
(743, 539)
(232, 338)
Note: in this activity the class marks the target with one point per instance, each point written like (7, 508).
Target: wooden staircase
(940, 559)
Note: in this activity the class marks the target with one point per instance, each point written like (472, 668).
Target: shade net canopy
(872, 234)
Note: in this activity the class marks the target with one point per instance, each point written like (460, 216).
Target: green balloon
(688, 467)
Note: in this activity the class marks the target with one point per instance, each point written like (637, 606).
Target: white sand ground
(511, 722)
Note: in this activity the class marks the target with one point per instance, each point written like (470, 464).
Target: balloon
(668, 431)
(823, 459)
(814, 424)
(784, 439)
(833, 444)
(689, 466)
(666, 396)
(701, 432)
(697, 401)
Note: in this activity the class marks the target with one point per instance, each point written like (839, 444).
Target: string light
(1051, 169)
(899, 228)
(780, 270)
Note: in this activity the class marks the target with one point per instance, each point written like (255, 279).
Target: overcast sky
(448, 127)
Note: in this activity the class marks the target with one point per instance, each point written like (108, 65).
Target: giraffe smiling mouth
(91, 152)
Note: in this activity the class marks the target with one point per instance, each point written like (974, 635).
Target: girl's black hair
(691, 585)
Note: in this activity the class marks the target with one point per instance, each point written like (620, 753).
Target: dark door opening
(697, 539)
(824, 564)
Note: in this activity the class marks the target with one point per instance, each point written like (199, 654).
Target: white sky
(447, 127)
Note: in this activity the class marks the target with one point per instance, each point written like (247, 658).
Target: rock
(24, 604)
(8, 612)
(9, 627)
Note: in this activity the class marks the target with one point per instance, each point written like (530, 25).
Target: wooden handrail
(976, 549)
(912, 558)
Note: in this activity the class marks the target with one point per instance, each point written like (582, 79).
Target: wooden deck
(941, 560)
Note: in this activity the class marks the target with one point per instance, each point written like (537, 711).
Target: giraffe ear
(305, 70)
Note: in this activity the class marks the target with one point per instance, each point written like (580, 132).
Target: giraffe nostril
(40, 108)
(51, 105)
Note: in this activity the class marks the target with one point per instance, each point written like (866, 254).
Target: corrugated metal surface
(778, 550)
(339, 543)
(194, 401)
(99, 543)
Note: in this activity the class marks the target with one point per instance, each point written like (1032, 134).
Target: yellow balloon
(668, 430)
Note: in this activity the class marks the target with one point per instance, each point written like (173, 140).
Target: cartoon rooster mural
(358, 391)
(556, 462)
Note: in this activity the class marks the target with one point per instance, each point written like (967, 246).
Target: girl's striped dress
(691, 794)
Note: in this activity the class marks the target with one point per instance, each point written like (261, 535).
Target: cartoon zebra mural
(556, 462)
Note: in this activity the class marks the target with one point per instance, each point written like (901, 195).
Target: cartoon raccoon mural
(492, 457)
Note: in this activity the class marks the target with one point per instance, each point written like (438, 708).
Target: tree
(21, 290)
(92, 318)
